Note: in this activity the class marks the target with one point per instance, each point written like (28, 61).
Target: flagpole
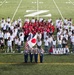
(38, 58)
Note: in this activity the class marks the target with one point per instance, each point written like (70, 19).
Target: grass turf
(52, 65)
(9, 8)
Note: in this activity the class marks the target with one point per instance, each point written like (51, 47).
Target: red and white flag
(32, 42)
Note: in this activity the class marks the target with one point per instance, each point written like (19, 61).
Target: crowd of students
(13, 34)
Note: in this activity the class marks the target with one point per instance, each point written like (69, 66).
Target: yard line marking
(19, 63)
(37, 5)
(16, 10)
(37, 8)
(2, 3)
(30, 10)
(58, 9)
(71, 2)
(37, 13)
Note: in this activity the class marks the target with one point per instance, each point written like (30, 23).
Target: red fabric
(37, 26)
(51, 50)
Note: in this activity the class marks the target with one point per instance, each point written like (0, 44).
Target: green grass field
(12, 64)
(52, 65)
(17, 8)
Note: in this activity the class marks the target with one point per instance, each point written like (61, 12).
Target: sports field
(36, 8)
(12, 64)
(53, 65)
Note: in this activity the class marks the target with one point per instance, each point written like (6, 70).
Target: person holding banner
(41, 52)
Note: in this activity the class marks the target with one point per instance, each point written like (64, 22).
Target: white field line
(37, 8)
(58, 10)
(16, 10)
(2, 3)
(71, 2)
(37, 13)
(37, 5)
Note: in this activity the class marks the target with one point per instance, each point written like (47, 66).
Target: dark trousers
(19, 47)
(41, 58)
(26, 58)
(36, 58)
(6, 42)
(31, 57)
(64, 45)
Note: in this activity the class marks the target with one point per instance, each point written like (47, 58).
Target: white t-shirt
(8, 24)
(49, 20)
(72, 38)
(45, 34)
(50, 39)
(20, 24)
(39, 43)
(61, 30)
(46, 42)
(70, 33)
(27, 20)
(19, 42)
(2, 25)
(19, 20)
(64, 31)
(16, 41)
(8, 19)
(9, 43)
(65, 21)
(54, 42)
(66, 36)
(66, 27)
(72, 27)
(59, 33)
(39, 35)
(11, 27)
(22, 38)
(57, 22)
(15, 23)
(59, 41)
(2, 41)
(6, 35)
(12, 37)
(33, 20)
(40, 20)
(1, 34)
(58, 25)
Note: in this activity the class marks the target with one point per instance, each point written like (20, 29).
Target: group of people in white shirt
(12, 35)
(65, 33)
(65, 36)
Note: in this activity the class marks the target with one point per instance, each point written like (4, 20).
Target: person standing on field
(41, 52)
(26, 51)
